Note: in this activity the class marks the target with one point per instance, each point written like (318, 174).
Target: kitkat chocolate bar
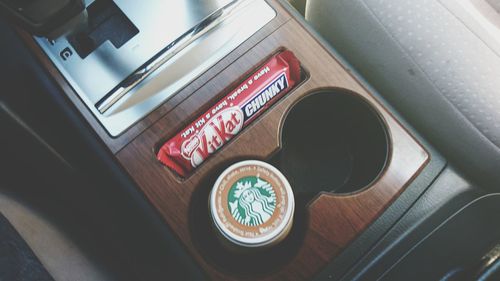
(225, 119)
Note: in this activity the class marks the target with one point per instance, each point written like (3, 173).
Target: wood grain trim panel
(333, 221)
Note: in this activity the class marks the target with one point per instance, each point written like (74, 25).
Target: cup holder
(251, 264)
(332, 141)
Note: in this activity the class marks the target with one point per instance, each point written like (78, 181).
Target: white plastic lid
(252, 204)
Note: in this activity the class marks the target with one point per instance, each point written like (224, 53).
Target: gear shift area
(105, 22)
(133, 55)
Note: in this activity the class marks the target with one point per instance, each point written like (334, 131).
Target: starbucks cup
(252, 205)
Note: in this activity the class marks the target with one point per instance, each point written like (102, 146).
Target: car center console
(347, 157)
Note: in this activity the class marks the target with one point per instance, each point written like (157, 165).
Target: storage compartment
(332, 141)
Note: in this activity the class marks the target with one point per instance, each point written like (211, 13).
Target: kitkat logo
(221, 127)
(189, 146)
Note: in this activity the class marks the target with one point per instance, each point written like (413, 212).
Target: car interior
(250, 140)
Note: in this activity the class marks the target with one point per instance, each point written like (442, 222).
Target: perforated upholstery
(437, 62)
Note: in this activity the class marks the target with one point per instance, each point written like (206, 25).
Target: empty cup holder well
(333, 141)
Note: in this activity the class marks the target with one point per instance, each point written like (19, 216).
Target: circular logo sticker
(252, 204)
(251, 201)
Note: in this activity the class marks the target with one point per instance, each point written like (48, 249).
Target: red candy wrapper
(223, 121)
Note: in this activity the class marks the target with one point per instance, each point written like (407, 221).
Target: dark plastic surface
(447, 194)
(40, 17)
(458, 243)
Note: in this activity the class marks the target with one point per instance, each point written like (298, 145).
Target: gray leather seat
(436, 61)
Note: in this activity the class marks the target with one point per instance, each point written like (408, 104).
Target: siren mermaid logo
(251, 201)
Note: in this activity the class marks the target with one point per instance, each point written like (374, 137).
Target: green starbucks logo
(251, 201)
